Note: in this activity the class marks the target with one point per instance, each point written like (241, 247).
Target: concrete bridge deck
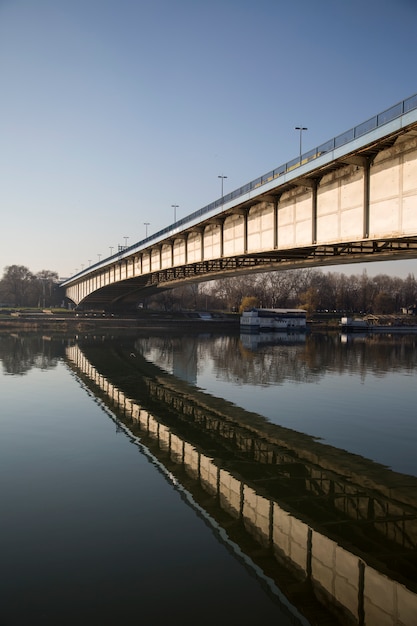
(352, 199)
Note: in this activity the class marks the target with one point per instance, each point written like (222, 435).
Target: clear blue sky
(113, 110)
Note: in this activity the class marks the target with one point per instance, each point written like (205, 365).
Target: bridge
(351, 199)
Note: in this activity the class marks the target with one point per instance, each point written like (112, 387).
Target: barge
(378, 324)
(258, 320)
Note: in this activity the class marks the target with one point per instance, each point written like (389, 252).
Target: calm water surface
(356, 393)
(97, 526)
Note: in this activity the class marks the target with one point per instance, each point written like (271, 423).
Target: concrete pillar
(366, 184)
(185, 248)
(244, 212)
(276, 202)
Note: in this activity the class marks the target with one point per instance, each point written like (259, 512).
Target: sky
(111, 111)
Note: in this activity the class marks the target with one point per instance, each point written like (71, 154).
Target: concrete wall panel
(328, 198)
(323, 562)
(352, 191)
(351, 223)
(230, 493)
(191, 460)
(164, 437)
(407, 606)
(409, 213)
(179, 251)
(194, 247)
(233, 235)
(146, 262)
(303, 232)
(135, 412)
(128, 407)
(153, 427)
(380, 599)
(303, 212)
(409, 173)
(176, 448)
(286, 220)
(208, 474)
(289, 536)
(143, 420)
(212, 241)
(256, 515)
(346, 583)
(155, 259)
(166, 255)
(385, 180)
(384, 218)
(286, 237)
(328, 228)
(261, 227)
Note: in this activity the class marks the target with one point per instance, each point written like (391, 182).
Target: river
(191, 478)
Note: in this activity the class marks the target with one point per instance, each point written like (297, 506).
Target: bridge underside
(129, 292)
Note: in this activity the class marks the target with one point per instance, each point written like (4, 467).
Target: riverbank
(38, 321)
(192, 321)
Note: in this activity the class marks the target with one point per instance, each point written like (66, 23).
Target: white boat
(350, 324)
(256, 320)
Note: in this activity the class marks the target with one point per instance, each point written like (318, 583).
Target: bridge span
(352, 199)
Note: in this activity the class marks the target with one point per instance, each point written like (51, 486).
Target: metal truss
(288, 259)
(130, 290)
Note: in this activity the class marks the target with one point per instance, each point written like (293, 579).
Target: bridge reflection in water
(333, 530)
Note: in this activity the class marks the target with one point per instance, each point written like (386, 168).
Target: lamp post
(175, 207)
(300, 128)
(222, 179)
(125, 238)
(146, 224)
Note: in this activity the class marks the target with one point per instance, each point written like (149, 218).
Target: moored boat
(378, 324)
(258, 319)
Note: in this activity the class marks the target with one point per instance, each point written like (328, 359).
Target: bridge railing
(360, 130)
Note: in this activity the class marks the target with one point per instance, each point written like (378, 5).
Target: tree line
(19, 287)
(311, 289)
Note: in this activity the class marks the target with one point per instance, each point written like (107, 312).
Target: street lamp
(300, 128)
(146, 224)
(125, 238)
(175, 207)
(222, 178)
